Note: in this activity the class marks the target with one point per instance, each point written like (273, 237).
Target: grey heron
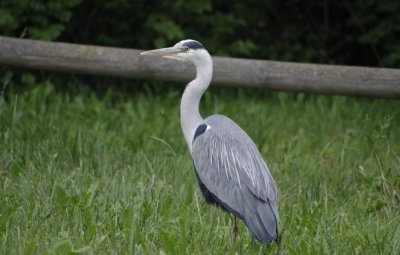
(229, 168)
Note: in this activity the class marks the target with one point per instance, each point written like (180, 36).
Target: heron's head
(186, 50)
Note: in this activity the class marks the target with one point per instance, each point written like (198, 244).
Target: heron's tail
(263, 222)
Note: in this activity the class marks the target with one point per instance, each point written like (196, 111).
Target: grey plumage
(230, 167)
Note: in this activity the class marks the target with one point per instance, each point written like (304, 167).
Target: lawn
(109, 172)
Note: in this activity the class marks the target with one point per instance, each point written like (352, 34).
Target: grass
(91, 173)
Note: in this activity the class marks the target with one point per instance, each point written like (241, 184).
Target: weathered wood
(128, 63)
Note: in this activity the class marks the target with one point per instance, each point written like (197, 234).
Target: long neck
(190, 114)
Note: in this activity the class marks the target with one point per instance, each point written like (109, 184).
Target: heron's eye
(186, 48)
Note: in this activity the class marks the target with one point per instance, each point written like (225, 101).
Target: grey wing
(230, 167)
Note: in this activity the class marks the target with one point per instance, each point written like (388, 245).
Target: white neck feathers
(190, 114)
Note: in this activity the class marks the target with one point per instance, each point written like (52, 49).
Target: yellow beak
(171, 51)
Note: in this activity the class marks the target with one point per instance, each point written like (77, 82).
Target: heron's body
(229, 168)
(233, 175)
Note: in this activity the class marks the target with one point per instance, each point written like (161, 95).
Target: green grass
(97, 173)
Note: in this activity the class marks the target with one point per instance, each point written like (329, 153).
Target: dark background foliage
(360, 32)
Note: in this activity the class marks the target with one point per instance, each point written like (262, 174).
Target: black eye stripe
(193, 45)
